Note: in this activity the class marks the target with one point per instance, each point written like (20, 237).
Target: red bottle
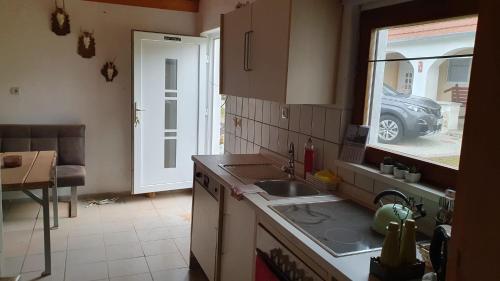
(308, 157)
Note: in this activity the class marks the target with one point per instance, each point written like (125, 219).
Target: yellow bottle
(390, 249)
(408, 252)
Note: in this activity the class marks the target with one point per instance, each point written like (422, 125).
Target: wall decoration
(60, 21)
(86, 44)
(109, 71)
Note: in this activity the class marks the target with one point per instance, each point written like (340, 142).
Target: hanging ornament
(109, 71)
(86, 44)
(60, 21)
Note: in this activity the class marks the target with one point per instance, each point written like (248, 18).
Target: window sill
(426, 191)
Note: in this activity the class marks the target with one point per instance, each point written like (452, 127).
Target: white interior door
(165, 109)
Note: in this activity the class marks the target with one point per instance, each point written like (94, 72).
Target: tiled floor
(135, 239)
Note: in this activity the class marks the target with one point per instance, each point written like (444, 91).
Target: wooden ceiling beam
(177, 5)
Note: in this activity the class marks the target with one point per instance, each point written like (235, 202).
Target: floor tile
(37, 262)
(153, 234)
(165, 262)
(87, 272)
(124, 251)
(86, 255)
(180, 274)
(89, 241)
(138, 277)
(159, 247)
(102, 243)
(37, 276)
(127, 267)
(120, 238)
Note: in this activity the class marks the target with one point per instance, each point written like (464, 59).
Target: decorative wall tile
(251, 130)
(275, 114)
(380, 186)
(318, 154)
(273, 138)
(229, 124)
(256, 148)
(331, 154)
(258, 133)
(266, 112)
(239, 105)
(300, 147)
(283, 122)
(244, 108)
(232, 104)
(358, 193)
(250, 148)
(305, 119)
(332, 125)
(283, 141)
(258, 110)
(244, 128)
(318, 122)
(237, 126)
(237, 145)
(251, 109)
(346, 175)
(229, 143)
(265, 136)
(364, 182)
(243, 149)
(294, 118)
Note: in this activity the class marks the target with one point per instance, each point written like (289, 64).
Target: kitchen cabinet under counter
(247, 226)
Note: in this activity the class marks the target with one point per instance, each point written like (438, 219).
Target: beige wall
(58, 86)
(210, 11)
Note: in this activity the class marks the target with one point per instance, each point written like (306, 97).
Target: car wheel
(390, 129)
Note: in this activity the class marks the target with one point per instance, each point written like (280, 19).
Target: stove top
(341, 227)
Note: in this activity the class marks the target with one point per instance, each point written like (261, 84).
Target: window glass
(418, 88)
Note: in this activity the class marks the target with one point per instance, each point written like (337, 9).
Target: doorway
(165, 108)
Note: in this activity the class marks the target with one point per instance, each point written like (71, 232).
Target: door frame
(135, 88)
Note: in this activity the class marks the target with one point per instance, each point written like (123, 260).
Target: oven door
(274, 262)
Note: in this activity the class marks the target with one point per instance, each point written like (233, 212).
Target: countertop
(353, 267)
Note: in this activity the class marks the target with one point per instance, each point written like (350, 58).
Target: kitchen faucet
(289, 168)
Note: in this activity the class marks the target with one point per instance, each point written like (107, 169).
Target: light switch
(14, 91)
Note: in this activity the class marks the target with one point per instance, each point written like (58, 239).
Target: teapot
(396, 211)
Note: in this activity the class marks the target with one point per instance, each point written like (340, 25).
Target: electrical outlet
(14, 91)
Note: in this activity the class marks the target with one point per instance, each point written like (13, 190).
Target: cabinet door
(238, 236)
(204, 230)
(235, 28)
(269, 42)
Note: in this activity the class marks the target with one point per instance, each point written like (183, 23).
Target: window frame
(420, 11)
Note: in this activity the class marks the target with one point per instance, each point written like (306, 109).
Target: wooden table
(36, 172)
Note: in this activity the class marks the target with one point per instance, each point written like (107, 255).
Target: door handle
(137, 121)
(248, 53)
(245, 51)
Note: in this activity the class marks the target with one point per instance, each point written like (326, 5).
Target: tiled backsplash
(251, 124)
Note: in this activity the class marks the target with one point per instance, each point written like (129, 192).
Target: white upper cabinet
(282, 50)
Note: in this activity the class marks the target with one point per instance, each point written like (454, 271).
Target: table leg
(46, 230)
(55, 206)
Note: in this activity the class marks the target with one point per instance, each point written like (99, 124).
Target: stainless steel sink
(287, 188)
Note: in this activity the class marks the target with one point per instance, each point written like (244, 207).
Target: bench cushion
(70, 175)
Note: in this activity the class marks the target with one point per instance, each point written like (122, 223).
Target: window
(412, 86)
(459, 70)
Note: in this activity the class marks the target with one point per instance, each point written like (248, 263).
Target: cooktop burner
(341, 227)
